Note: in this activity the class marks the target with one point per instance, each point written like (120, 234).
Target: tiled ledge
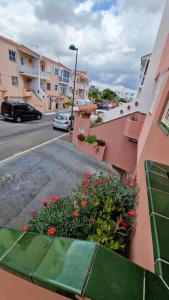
(69, 267)
(158, 196)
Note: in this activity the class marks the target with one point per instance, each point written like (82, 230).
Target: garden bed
(100, 209)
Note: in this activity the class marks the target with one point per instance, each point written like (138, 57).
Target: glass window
(14, 80)
(56, 87)
(49, 86)
(31, 108)
(61, 117)
(56, 71)
(22, 61)
(12, 55)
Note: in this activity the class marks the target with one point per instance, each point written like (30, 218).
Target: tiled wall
(69, 267)
(158, 195)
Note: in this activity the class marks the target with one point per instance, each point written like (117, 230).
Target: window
(12, 55)
(56, 71)
(14, 80)
(49, 86)
(66, 74)
(56, 87)
(30, 60)
(22, 61)
(42, 68)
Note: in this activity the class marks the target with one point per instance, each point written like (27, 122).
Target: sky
(111, 35)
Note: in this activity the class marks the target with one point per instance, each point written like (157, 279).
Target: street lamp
(73, 48)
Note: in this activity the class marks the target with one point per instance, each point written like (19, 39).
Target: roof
(82, 75)
(19, 46)
(55, 62)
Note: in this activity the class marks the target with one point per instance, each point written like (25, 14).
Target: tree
(108, 94)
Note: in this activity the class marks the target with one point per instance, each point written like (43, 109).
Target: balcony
(133, 128)
(44, 75)
(64, 80)
(27, 93)
(28, 71)
(165, 119)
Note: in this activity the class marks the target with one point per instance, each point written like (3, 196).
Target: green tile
(162, 269)
(160, 234)
(155, 288)
(159, 182)
(7, 238)
(160, 202)
(24, 257)
(113, 277)
(156, 167)
(65, 266)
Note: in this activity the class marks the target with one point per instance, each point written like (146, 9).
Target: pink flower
(25, 228)
(44, 203)
(90, 219)
(51, 231)
(133, 229)
(84, 203)
(34, 214)
(132, 212)
(54, 198)
(85, 182)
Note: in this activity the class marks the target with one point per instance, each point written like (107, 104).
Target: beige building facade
(27, 76)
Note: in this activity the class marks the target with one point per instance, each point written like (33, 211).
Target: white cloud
(110, 42)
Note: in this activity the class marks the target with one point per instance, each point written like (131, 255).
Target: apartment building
(127, 94)
(27, 76)
(145, 61)
(82, 86)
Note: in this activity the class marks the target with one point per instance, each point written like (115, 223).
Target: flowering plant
(101, 208)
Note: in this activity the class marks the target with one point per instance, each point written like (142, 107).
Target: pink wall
(15, 288)
(153, 145)
(113, 134)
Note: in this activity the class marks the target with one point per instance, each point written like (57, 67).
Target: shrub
(91, 139)
(98, 121)
(81, 137)
(101, 142)
(100, 209)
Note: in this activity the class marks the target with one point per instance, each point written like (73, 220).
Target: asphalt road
(28, 177)
(16, 138)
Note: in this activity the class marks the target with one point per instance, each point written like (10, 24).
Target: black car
(19, 112)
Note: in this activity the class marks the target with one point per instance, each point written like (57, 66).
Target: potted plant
(81, 137)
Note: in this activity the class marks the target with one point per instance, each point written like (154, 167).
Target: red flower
(44, 203)
(54, 198)
(85, 190)
(75, 213)
(51, 231)
(34, 214)
(123, 223)
(84, 203)
(132, 212)
(90, 219)
(25, 228)
(125, 181)
(85, 182)
(133, 229)
(131, 185)
(88, 175)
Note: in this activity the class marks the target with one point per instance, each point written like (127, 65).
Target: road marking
(33, 148)
(3, 142)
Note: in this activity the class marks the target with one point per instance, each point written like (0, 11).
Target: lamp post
(73, 48)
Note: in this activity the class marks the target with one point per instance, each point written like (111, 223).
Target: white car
(62, 121)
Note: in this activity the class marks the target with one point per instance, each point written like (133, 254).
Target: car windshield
(61, 117)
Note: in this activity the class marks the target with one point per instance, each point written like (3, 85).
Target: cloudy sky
(111, 35)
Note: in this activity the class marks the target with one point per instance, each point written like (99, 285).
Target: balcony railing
(26, 70)
(165, 117)
(64, 79)
(44, 75)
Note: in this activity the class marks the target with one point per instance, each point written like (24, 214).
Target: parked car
(101, 111)
(104, 105)
(62, 121)
(19, 112)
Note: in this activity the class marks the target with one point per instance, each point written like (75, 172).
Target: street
(35, 162)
